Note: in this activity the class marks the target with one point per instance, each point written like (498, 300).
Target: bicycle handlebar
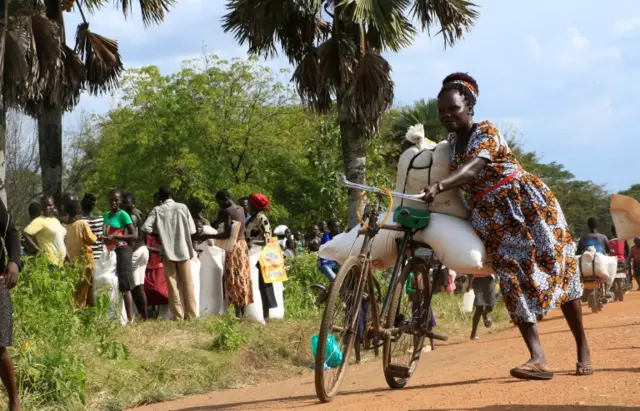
(363, 187)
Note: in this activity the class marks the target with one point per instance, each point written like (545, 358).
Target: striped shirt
(97, 227)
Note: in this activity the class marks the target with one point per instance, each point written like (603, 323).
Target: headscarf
(259, 202)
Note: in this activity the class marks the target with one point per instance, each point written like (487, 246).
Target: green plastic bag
(412, 218)
(333, 353)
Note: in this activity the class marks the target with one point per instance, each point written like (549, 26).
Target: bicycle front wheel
(402, 349)
(338, 329)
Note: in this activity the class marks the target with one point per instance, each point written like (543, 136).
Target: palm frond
(48, 53)
(297, 26)
(371, 92)
(454, 17)
(17, 76)
(153, 11)
(313, 92)
(64, 92)
(101, 59)
(337, 61)
(385, 20)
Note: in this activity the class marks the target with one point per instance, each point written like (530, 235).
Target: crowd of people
(153, 250)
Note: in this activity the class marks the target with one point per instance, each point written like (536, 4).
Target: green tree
(341, 57)
(218, 124)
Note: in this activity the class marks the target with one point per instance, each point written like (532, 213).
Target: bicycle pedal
(399, 371)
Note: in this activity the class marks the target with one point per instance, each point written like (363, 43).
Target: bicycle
(356, 275)
(362, 338)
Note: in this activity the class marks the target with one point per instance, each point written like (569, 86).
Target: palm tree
(29, 56)
(94, 65)
(336, 46)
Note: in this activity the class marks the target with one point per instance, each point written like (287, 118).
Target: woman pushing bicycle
(520, 223)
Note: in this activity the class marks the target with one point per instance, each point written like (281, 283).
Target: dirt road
(475, 375)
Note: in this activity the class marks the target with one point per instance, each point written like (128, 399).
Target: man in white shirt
(175, 226)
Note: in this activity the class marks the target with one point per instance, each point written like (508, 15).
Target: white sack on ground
(429, 166)
(253, 311)
(603, 266)
(278, 290)
(211, 296)
(453, 240)
(625, 212)
(105, 281)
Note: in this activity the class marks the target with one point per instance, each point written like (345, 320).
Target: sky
(561, 73)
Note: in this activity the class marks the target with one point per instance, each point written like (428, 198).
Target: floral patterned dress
(522, 227)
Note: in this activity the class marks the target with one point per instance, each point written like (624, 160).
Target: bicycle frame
(366, 278)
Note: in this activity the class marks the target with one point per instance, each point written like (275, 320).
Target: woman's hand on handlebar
(430, 193)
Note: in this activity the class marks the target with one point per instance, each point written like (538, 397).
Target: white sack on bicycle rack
(430, 166)
(603, 266)
(383, 250)
(453, 240)
(455, 243)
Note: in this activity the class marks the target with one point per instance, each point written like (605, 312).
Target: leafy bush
(226, 333)
(51, 336)
(302, 272)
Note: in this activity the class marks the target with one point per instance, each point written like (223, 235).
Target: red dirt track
(475, 375)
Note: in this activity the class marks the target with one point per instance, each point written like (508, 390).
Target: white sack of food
(428, 166)
(278, 290)
(625, 212)
(594, 263)
(211, 270)
(105, 281)
(453, 240)
(214, 292)
(253, 311)
(383, 249)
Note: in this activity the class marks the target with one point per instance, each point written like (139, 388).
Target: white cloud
(578, 42)
(626, 28)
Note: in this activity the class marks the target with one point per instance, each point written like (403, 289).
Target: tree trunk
(354, 152)
(50, 145)
(3, 110)
(3, 165)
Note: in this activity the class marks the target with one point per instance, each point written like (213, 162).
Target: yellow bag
(271, 262)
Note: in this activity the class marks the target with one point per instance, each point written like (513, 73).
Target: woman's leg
(476, 320)
(529, 333)
(573, 314)
(8, 377)
(140, 299)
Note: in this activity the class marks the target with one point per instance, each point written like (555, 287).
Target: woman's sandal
(487, 322)
(530, 371)
(584, 369)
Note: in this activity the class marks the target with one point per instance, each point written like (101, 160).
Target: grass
(70, 359)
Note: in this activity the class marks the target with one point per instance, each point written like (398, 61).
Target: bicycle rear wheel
(402, 349)
(340, 321)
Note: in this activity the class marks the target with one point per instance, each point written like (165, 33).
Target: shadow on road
(309, 400)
